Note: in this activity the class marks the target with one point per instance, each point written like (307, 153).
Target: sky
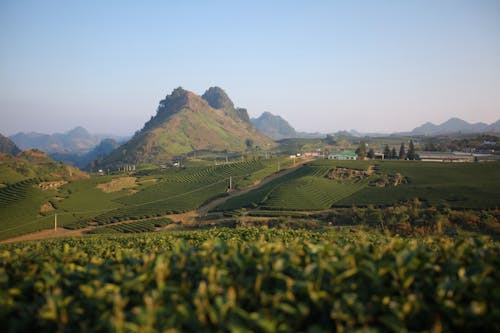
(372, 66)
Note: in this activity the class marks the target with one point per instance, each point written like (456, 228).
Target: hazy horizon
(323, 66)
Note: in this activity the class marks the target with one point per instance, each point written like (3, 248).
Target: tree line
(404, 154)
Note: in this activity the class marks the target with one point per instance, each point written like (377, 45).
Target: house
(343, 155)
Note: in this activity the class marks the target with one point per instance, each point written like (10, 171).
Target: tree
(371, 153)
(402, 152)
(249, 143)
(411, 151)
(387, 152)
(330, 139)
(361, 151)
(394, 155)
(430, 147)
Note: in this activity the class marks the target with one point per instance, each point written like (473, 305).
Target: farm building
(436, 156)
(343, 155)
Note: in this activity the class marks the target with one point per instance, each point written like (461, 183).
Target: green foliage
(133, 227)
(411, 152)
(371, 153)
(250, 280)
(402, 151)
(361, 150)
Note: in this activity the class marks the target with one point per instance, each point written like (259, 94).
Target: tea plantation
(156, 192)
(465, 185)
(250, 279)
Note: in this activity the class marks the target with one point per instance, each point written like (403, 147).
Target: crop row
(133, 227)
(250, 280)
(15, 192)
(310, 193)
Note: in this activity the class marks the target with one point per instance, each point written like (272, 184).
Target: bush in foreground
(250, 280)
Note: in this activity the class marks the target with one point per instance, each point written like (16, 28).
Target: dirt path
(45, 234)
(212, 204)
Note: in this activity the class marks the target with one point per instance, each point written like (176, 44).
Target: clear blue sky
(322, 65)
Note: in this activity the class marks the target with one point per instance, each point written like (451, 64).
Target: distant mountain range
(278, 128)
(455, 125)
(185, 122)
(75, 141)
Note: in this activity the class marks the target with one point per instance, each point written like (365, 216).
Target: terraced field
(458, 185)
(181, 190)
(467, 185)
(20, 208)
(305, 189)
(133, 227)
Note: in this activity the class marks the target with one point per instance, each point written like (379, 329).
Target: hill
(185, 122)
(34, 163)
(7, 146)
(455, 125)
(274, 126)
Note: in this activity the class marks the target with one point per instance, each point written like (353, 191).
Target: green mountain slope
(186, 122)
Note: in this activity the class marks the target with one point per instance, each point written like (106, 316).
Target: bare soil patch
(117, 184)
(46, 207)
(45, 186)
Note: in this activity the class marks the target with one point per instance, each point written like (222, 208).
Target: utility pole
(55, 222)
(230, 182)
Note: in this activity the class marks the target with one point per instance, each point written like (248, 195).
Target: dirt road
(212, 204)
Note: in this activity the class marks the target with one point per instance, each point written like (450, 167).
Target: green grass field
(156, 192)
(250, 279)
(465, 185)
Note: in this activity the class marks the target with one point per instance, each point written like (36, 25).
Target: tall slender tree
(361, 151)
(387, 152)
(371, 153)
(394, 155)
(411, 151)
(402, 152)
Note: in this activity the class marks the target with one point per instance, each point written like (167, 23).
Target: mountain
(454, 125)
(186, 122)
(77, 140)
(7, 146)
(274, 126)
(494, 127)
(82, 160)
